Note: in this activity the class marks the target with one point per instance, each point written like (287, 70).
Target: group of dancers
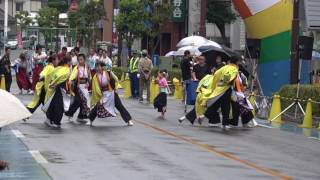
(62, 84)
(63, 88)
(222, 90)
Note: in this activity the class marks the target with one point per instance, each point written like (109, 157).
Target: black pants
(8, 79)
(118, 104)
(75, 106)
(245, 117)
(224, 103)
(56, 108)
(191, 115)
(41, 101)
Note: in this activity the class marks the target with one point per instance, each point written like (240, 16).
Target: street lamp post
(294, 44)
(5, 31)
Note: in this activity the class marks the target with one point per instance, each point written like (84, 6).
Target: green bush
(175, 73)
(306, 92)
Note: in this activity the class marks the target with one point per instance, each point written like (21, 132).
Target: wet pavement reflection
(292, 128)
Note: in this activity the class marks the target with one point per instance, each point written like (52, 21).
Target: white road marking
(38, 157)
(17, 133)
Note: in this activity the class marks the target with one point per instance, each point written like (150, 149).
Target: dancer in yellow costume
(214, 92)
(42, 85)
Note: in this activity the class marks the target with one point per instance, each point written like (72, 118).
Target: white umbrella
(192, 41)
(193, 51)
(171, 53)
(212, 43)
(11, 109)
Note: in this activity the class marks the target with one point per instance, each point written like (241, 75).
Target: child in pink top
(160, 102)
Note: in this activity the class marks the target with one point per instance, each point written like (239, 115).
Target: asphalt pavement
(157, 149)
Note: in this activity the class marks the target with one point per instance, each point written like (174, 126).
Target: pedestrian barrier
(275, 115)
(3, 83)
(126, 85)
(154, 90)
(307, 120)
(178, 89)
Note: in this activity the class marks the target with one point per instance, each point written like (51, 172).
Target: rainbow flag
(270, 21)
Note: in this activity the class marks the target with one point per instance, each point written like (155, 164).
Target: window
(19, 6)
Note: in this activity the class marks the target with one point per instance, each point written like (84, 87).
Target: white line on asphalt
(38, 157)
(265, 126)
(17, 133)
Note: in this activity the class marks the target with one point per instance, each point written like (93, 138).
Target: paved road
(156, 149)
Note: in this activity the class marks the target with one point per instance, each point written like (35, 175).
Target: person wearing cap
(145, 69)
(133, 74)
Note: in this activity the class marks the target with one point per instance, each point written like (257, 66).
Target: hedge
(174, 73)
(306, 92)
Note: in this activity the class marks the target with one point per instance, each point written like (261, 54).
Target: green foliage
(86, 18)
(220, 13)
(60, 5)
(47, 18)
(306, 92)
(23, 20)
(132, 20)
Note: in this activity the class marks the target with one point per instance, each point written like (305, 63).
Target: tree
(159, 14)
(47, 19)
(23, 20)
(141, 18)
(130, 22)
(60, 5)
(86, 19)
(220, 13)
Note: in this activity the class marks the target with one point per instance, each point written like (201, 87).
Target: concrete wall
(194, 17)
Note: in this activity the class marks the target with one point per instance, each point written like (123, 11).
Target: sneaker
(81, 120)
(182, 119)
(225, 127)
(213, 125)
(140, 101)
(30, 92)
(130, 123)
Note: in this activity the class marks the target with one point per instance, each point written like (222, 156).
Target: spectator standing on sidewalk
(5, 68)
(133, 74)
(145, 69)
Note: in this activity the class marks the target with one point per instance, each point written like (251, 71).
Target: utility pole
(5, 34)
(294, 44)
(203, 17)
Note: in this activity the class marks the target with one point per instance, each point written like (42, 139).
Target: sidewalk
(21, 163)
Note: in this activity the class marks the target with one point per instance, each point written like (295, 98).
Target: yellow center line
(218, 152)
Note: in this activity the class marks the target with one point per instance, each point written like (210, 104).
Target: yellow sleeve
(74, 73)
(96, 91)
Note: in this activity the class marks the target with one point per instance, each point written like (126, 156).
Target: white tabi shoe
(225, 127)
(214, 125)
(81, 120)
(130, 123)
(89, 123)
(182, 119)
(48, 123)
(70, 119)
